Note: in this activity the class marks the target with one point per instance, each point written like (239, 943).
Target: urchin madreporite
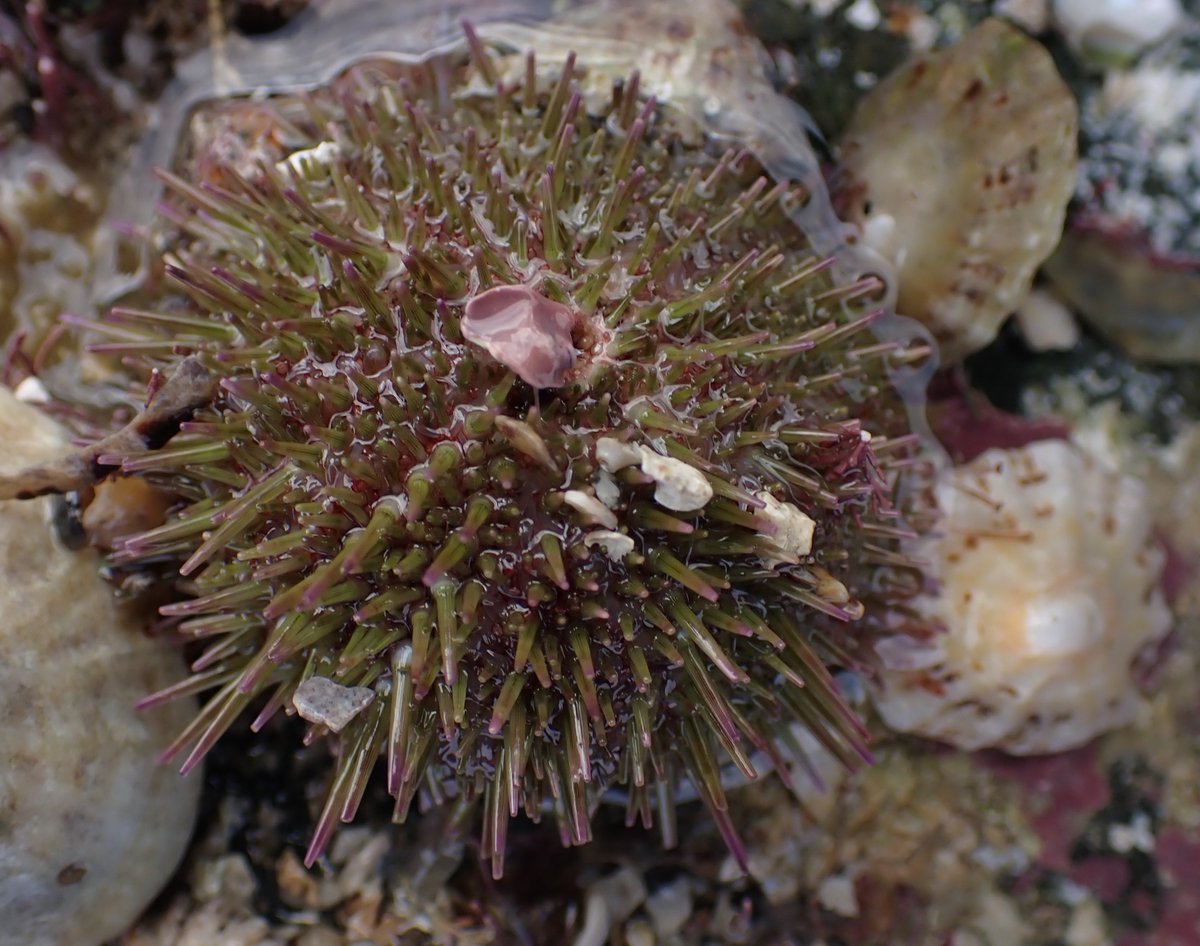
(544, 455)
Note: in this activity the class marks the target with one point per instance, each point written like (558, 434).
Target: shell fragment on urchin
(1047, 576)
(552, 580)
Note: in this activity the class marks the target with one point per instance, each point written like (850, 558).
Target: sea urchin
(544, 457)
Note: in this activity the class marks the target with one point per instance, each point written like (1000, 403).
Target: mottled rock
(1141, 301)
(958, 169)
(1130, 259)
(91, 826)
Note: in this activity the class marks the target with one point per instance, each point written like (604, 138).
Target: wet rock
(1130, 260)
(90, 826)
(958, 169)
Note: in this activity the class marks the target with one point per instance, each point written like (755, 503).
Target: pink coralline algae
(524, 331)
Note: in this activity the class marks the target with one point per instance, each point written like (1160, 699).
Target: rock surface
(90, 826)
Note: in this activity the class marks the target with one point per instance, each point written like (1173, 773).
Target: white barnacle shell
(680, 487)
(616, 545)
(590, 508)
(788, 528)
(614, 455)
(1048, 575)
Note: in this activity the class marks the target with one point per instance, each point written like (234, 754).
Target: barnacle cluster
(544, 455)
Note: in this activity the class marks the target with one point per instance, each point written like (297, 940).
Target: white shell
(614, 455)
(679, 487)
(616, 545)
(791, 530)
(1048, 576)
(590, 508)
(90, 825)
(1122, 27)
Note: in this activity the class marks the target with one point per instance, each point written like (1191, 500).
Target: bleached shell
(1048, 590)
(958, 169)
(616, 545)
(91, 826)
(590, 508)
(678, 486)
(322, 701)
(614, 455)
(1116, 27)
(790, 530)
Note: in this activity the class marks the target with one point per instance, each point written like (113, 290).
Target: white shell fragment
(1046, 323)
(1048, 575)
(607, 489)
(522, 436)
(1120, 28)
(319, 700)
(615, 544)
(789, 529)
(614, 455)
(681, 488)
(590, 508)
(91, 826)
(298, 163)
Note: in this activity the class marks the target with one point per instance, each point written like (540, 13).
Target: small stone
(863, 15)
(319, 700)
(1032, 16)
(681, 488)
(1116, 28)
(1135, 836)
(123, 506)
(623, 891)
(1047, 323)
(836, 894)
(31, 391)
(640, 933)
(1087, 926)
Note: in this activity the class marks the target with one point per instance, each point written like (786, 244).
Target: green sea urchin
(545, 455)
